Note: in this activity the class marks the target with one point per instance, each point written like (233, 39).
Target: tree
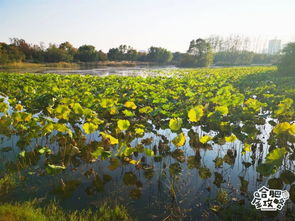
(87, 53)
(159, 55)
(69, 49)
(114, 54)
(201, 50)
(177, 58)
(287, 62)
(10, 53)
(101, 56)
(56, 54)
(122, 53)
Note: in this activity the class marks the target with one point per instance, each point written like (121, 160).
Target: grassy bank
(20, 65)
(29, 211)
(23, 65)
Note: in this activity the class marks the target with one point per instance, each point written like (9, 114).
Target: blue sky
(143, 23)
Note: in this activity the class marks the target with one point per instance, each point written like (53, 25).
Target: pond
(162, 159)
(98, 70)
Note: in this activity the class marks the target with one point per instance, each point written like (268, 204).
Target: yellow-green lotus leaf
(110, 138)
(195, 114)
(205, 139)
(230, 138)
(179, 140)
(281, 128)
(123, 124)
(89, 128)
(175, 124)
(222, 109)
(130, 104)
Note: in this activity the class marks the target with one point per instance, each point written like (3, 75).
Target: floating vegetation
(167, 141)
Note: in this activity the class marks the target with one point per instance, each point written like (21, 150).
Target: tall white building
(274, 46)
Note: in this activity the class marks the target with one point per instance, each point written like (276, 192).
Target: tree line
(200, 53)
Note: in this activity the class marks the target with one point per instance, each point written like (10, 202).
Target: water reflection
(177, 180)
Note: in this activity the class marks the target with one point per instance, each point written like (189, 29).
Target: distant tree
(201, 50)
(69, 48)
(4, 59)
(24, 47)
(287, 62)
(177, 58)
(159, 55)
(87, 53)
(10, 53)
(266, 58)
(56, 54)
(230, 58)
(114, 54)
(141, 56)
(188, 60)
(101, 56)
(131, 55)
(122, 53)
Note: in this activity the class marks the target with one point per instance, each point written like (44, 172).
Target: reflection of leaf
(273, 161)
(218, 179)
(174, 169)
(175, 124)
(244, 184)
(135, 193)
(114, 164)
(98, 183)
(148, 173)
(275, 183)
(66, 189)
(204, 173)
(292, 193)
(222, 196)
(229, 159)
(6, 149)
(179, 155)
(193, 162)
(218, 162)
(129, 179)
(288, 177)
(179, 140)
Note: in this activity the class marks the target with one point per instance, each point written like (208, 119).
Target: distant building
(274, 46)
